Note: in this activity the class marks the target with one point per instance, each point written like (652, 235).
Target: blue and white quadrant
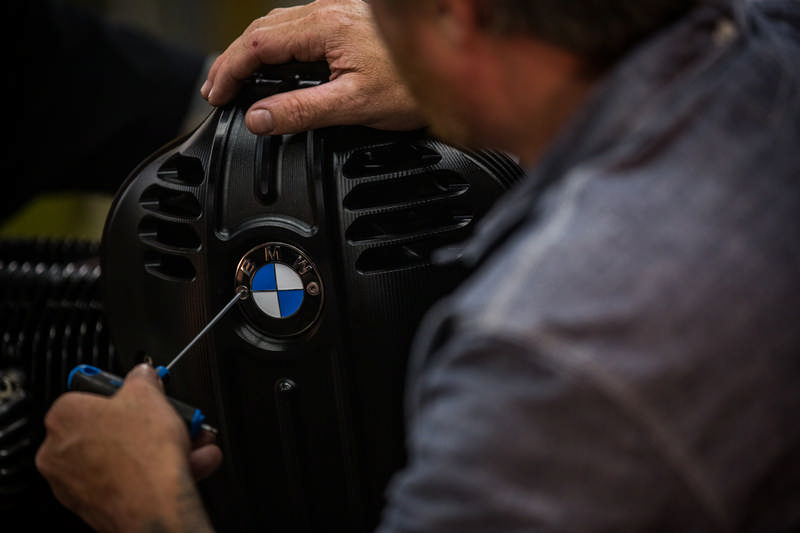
(277, 290)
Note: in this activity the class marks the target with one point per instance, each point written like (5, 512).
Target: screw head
(286, 385)
(313, 288)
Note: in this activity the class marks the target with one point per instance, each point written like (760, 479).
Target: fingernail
(204, 89)
(261, 121)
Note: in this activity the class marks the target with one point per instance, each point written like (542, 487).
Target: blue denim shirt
(626, 354)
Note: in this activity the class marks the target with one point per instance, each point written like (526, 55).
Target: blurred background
(206, 26)
(203, 24)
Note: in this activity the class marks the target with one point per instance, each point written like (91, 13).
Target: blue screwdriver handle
(88, 378)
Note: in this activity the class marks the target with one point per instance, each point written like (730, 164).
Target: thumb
(145, 373)
(301, 110)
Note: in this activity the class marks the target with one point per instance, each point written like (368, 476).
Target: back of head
(600, 31)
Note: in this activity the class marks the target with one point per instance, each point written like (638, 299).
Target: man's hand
(125, 463)
(364, 87)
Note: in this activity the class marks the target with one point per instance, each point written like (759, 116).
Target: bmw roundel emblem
(285, 289)
(277, 290)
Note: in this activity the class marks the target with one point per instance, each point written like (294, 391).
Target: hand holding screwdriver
(87, 378)
(133, 437)
(98, 448)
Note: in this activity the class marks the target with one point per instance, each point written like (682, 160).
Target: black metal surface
(311, 415)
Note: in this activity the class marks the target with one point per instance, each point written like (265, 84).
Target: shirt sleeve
(502, 440)
(626, 359)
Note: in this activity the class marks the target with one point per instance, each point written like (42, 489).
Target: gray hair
(600, 31)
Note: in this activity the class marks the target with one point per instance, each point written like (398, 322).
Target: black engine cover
(334, 229)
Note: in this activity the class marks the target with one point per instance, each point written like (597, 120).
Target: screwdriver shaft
(241, 292)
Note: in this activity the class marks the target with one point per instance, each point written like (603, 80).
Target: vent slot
(169, 235)
(499, 166)
(182, 170)
(408, 223)
(268, 160)
(389, 158)
(443, 184)
(398, 257)
(179, 204)
(169, 267)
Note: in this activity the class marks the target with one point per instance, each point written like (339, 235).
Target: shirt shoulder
(642, 319)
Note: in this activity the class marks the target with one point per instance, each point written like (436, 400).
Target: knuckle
(53, 415)
(345, 13)
(49, 418)
(257, 23)
(314, 18)
(67, 410)
(41, 461)
(299, 112)
(329, 12)
(330, 20)
(254, 40)
(261, 21)
(138, 388)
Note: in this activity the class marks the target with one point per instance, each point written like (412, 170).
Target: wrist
(170, 503)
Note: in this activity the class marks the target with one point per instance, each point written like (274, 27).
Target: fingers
(144, 374)
(203, 439)
(204, 461)
(142, 396)
(364, 87)
(301, 110)
(352, 98)
(296, 33)
(205, 457)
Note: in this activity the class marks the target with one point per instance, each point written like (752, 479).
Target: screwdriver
(88, 378)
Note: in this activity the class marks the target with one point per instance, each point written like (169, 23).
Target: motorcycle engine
(332, 230)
